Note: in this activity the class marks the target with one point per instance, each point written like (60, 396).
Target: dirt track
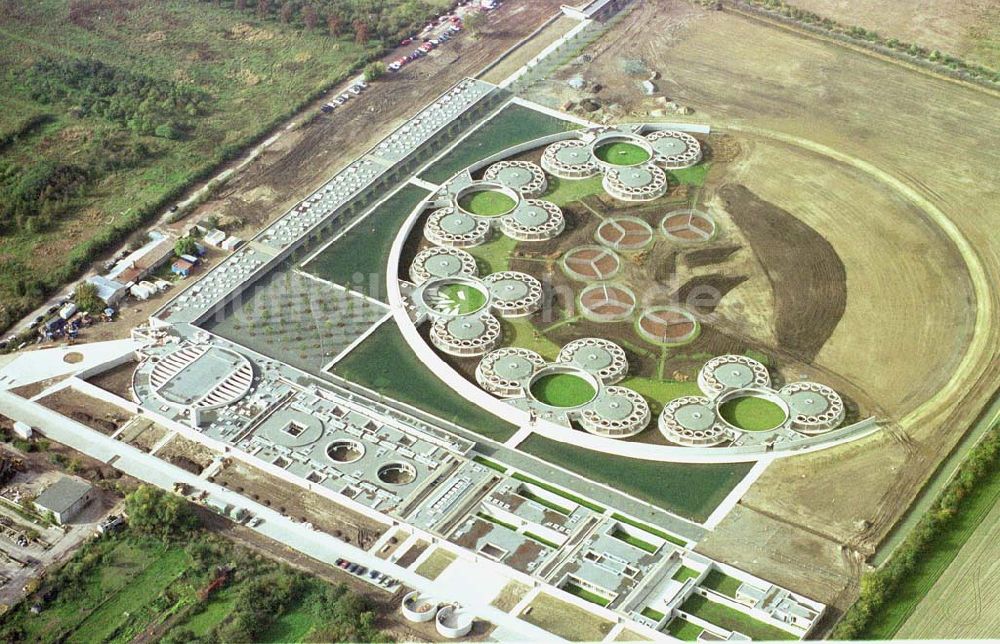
(890, 167)
(301, 160)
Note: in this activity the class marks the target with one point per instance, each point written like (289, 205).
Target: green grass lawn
(562, 390)
(463, 298)
(293, 626)
(693, 176)
(566, 191)
(487, 203)
(684, 630)
(722, 583)
(212, 613)
(733, 620)
(659, 392)
(684, 573)
(358, 258)
(633, 541)
(691, 490)
(652, 614)
(411, 382)
(514, 124)
(752, 413)
(563, 493)
(582, 593)
(650, 529)
(621, 153)
(493, 519)
(520, 332)
(542, 540)
(493, 465)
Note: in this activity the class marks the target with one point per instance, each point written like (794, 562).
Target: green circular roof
(669, 145)
(613, 407)
(808, 403)
(734, 375)
(695, 416)
(508, 290)
(466, 328)
(443, 265)
(635, 177)
(592, 358)
(513, 367)
(531, 216)
(573, 155)
(457, 224)
(513, 176)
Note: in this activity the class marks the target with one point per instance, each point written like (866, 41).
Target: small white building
(231, 243)
(110, 291)
(214, 238)
(22, 430)
(65, 498)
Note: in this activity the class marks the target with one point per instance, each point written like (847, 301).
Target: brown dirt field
(906, 329)
(389, 548)
(323, 513)
(35, 388)
(530, 49)
(117, 380)
(807, 276)
(412, 554)
(143, 433)
(96, 414)
(186, 454)
(969, 29)
(302, 159)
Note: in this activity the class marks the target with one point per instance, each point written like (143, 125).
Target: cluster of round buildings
(578, 386)
(449, 619)
(632, 164)
(462, 306)
(732, 381)
(503, 199)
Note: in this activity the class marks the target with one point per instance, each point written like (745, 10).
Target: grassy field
(411, 382)
(684, 573)
(487, 203)
(358, 258)
(652, 614)
(650, 529)
(564, 191)
(733, 620)
(752, 413)
(690, 490)
(562, 390)
(684, 630)
(230, 77)
(555, 490)
(514, 124)
(721, 583)
(119, 587)
(566, 620)
(435, 564)
(621, 154)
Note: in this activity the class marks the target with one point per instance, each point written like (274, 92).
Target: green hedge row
(879, 587)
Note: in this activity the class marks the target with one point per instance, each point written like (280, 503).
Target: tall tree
(309, 16)
(286, 12)
(333, 24)
(360, 32)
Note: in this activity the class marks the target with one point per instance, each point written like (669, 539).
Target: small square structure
(65, 498)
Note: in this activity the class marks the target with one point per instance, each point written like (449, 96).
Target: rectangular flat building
(65, 498)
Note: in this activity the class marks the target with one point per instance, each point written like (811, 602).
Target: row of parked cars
(452, 25)
(374, 576)
(353, 90)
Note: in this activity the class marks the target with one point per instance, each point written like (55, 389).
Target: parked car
(405, 42)
(354, 90)
(338, 101)
(345, 96)
(353, 568)
(326, 109)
